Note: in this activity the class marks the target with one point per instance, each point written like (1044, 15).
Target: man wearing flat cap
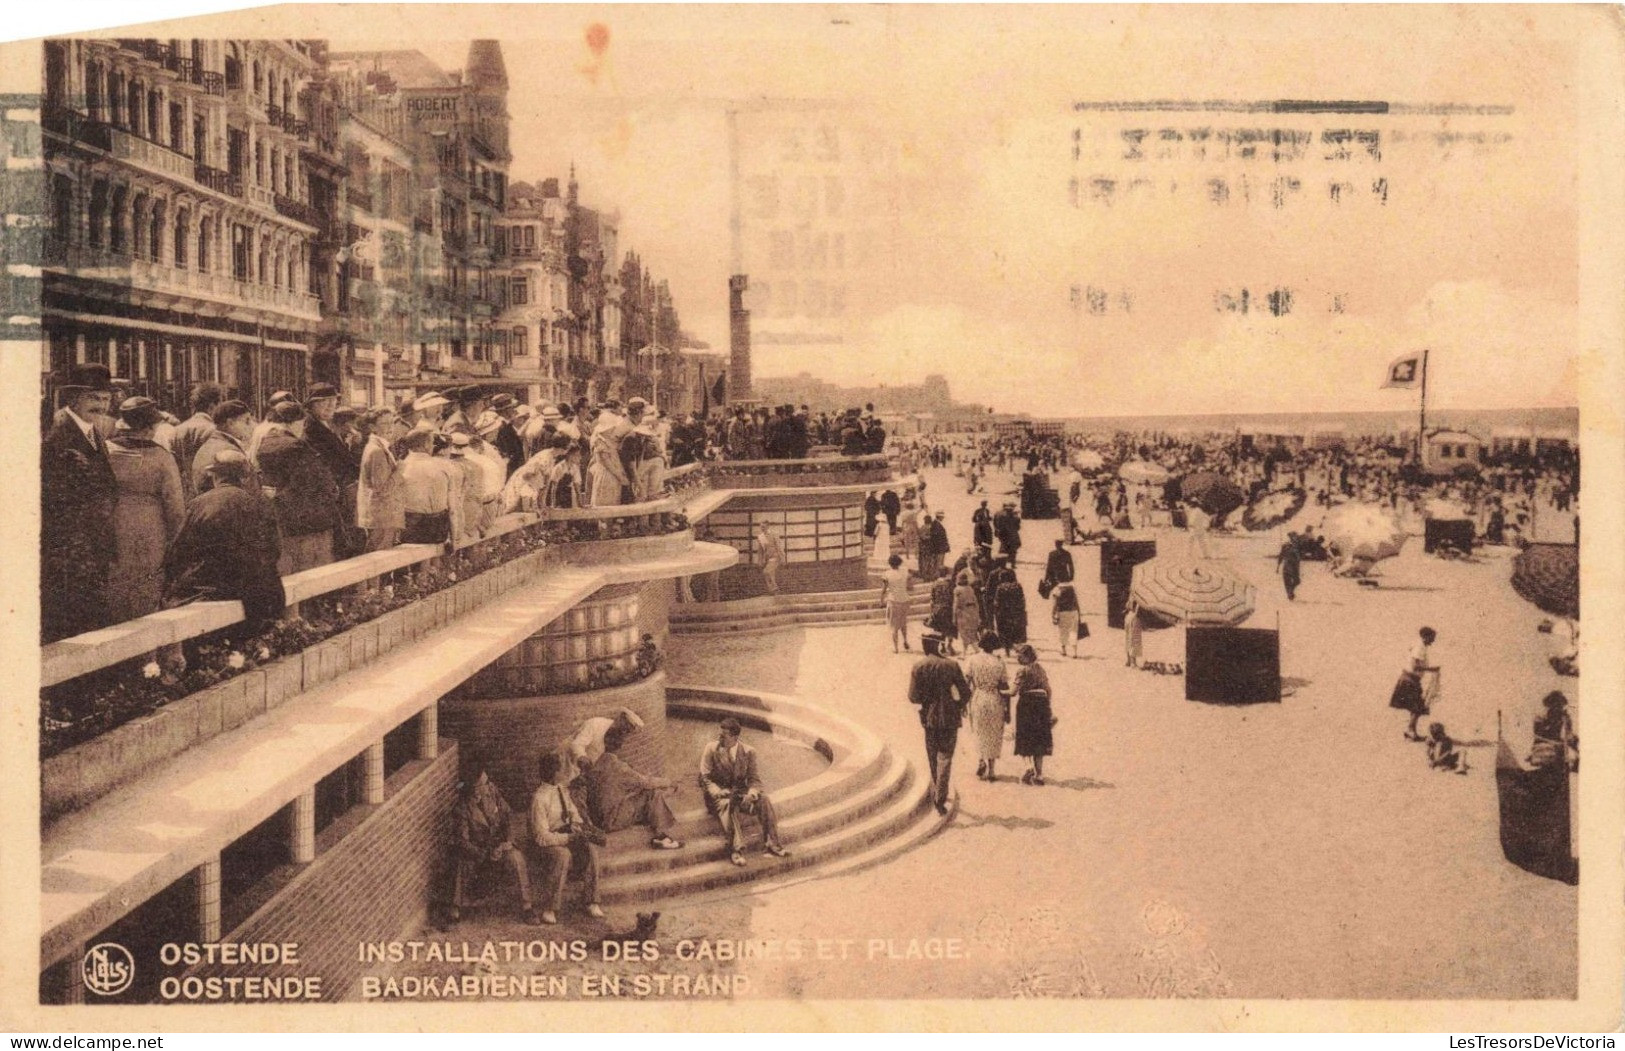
(78, 496)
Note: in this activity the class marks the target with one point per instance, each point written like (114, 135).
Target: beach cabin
(1328, 436)
(1264, 437)
(1446, 452)
(1512, 441)
(1552, 441)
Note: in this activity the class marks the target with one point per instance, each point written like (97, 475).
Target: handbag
(1045, 586)
(1083, 628)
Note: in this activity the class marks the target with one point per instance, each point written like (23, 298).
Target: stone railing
(769, 474)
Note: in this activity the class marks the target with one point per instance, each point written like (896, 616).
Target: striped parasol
(1549, 576)
(1143, 472)
(1193, 592)
(1364, 532)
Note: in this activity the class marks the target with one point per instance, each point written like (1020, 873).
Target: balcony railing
(213, 83)
(298, 211)
(274, 115)
(218, 180)
(361, 199)
(151, 50)
(60, 120)
(132, 147)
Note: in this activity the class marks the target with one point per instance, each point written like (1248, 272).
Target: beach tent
(1143, 472)
(1213, 493)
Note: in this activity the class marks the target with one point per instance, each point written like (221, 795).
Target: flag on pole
(1405, 372)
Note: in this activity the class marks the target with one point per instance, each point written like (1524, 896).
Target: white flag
(1405, 371)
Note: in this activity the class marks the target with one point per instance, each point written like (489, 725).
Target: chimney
(739, 389)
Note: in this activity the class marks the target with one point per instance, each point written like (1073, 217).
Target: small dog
(643, 930)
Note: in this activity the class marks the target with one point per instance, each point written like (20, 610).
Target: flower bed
(86, 707)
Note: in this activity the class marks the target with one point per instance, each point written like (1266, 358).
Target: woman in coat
(148, 515)
(1010, 613)
(380, 506)
(989, 708)
(967, 613)
(941, 617)
(1034, 721)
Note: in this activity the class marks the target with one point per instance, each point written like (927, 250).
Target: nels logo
(107, 969)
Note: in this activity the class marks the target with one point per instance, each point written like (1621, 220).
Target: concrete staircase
(773, 612)
(868, 806)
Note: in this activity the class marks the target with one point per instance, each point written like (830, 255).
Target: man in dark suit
(341, 462)
(733, 786)
(227, 547)
(78, 495)
(1059, 569)
(939, 688)
(507, 440)
(189, 437)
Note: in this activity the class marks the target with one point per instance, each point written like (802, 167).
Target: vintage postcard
(813, 517)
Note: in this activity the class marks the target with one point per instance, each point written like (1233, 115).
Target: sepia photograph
(809, 517)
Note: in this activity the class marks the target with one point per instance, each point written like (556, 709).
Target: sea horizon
(1483, 423)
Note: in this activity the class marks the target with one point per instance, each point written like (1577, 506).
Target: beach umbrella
(1143, 472)
(1194, 592)
(1213, 493)
(1364, 532)
(1274, 508)
(1088, 461)
(1549, 576)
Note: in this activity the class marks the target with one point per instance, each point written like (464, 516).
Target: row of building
(269, 214)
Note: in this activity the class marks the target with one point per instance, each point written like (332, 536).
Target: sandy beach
(1292, 850)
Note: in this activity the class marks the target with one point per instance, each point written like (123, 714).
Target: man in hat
(470, 488)
(78, 496)
(506, 439)
(797, 439)
(434, 504)
(306, 497)
(188, 437)
(321, 434)
(470, 403)
(227, 547)
(730, 775)
(1007, 530)
(484, 839)
(265, 426)
(934, 547)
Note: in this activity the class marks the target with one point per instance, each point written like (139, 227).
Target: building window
(98, 211)
(518, 291)
(205, 231)
(156, 232)
(240, 251)
(183, 223)
(61, 208)
(116, 233)
(521, 341)
(530, 238)
(136, 97)
(93, 90)
(177, 127)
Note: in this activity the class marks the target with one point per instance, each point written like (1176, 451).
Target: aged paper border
(1596, 32)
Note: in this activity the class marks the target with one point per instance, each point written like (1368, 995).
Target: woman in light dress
(967, 613)
(989, 703)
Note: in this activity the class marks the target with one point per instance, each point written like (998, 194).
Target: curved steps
(868, 805)
(770, 613)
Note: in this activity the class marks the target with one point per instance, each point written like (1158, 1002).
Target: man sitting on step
(619, 797)
(733, 786)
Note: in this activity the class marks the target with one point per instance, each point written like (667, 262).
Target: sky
(977, 259)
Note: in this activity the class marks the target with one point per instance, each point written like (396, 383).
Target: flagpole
(1422, 424)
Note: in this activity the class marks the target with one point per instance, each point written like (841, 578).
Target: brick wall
(506, 736)
(373, 883)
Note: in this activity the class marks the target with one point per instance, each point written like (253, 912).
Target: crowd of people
(586, 791)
